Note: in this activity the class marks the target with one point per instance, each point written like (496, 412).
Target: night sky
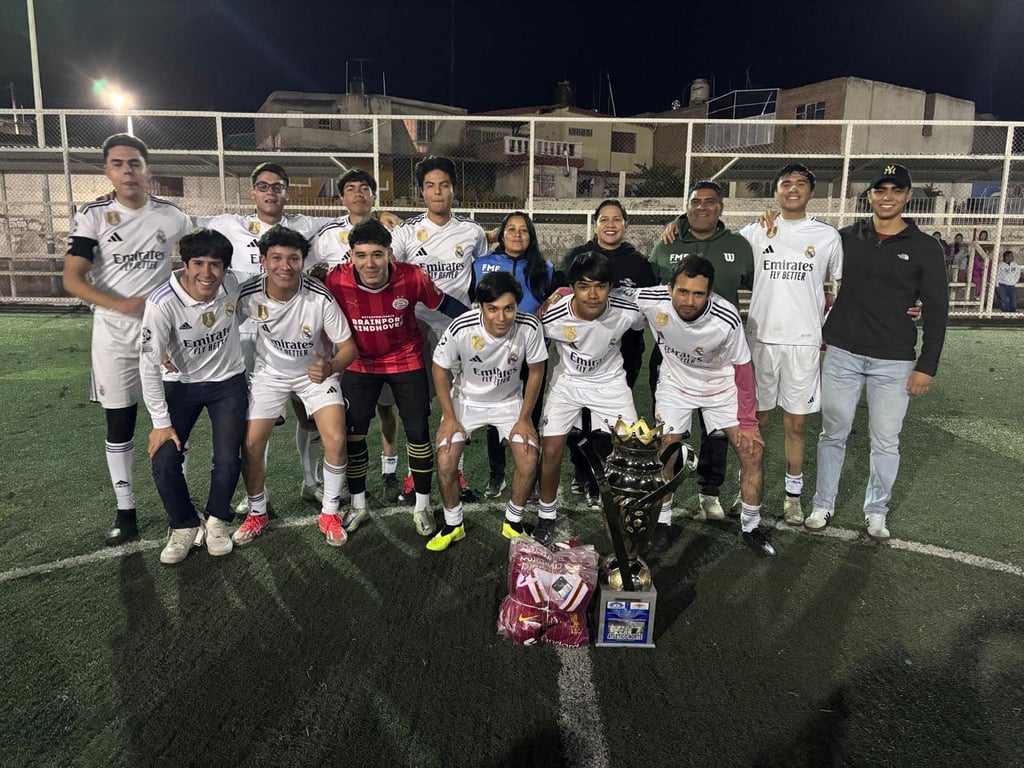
(229, 55)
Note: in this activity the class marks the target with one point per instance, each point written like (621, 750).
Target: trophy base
(625, 619)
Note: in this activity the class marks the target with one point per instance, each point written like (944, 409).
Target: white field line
(579, 718)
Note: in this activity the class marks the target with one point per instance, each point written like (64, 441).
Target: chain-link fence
(968, 177)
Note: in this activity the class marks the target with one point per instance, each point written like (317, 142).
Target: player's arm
(77, 264)
(450, 425)
(156, 331)
(388, 219)
(524, 424)
(935, 296)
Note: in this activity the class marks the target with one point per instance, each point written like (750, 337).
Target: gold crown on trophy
(625, 434)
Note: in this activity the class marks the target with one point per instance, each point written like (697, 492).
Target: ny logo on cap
(890, 170)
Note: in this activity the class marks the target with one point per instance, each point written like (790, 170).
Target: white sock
(462, 460)
(665, 516)
(309, 453)
(422, 501)
(333, 478)
(794, 484)
(513, 513)
(453, 517)
(358, 500)
(750, 517)
(547, 510)
(258, 503)
(119, 463)
(388, 464)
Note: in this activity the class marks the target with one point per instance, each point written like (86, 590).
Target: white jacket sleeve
(156, 331)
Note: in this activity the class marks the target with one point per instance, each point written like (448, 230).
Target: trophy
(632, 488)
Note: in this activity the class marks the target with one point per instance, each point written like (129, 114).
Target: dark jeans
(226, 402)
(1006, 297)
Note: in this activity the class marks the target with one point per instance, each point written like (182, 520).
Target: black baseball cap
(893, 173)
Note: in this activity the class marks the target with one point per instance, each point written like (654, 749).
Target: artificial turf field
(840, 651)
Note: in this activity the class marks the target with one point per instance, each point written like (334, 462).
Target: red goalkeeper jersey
(383, 320)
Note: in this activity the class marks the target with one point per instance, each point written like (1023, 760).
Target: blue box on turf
(625, 619)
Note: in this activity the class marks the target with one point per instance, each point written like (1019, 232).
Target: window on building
(585, 133)
(326, 124)
(294, 119)
(623, 141)
(543, 183)
(814, 110)
(424, 131)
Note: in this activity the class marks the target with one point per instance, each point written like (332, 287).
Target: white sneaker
(875, 524)
(710, 508)
(242, 507)
(424, 520)
(179, 544)
(355, 517)
(792, 512)
(218, 539)
(818, 519)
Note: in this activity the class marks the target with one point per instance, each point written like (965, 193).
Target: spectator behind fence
(1007, 277)
(958, 258)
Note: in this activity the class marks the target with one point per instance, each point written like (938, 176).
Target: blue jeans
(226, 402)
(1006, 297)
(843, 376)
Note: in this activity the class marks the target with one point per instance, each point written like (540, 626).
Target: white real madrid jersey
(330, 243)
(699, 355)
(132, 255)
(201, 339)
(445, 253)
(244, 233)
(289, 332)
(589, 350)
(489, 366)
(788, 300)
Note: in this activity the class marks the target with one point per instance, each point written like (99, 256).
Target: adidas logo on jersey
(332, 391)
(422, 252)
(115, 238)
(476, 359)
(185, 326)
(254, 243)
(767, 250)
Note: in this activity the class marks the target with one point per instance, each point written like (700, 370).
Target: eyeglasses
(278, 187)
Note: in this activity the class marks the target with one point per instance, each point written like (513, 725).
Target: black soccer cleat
(124, 529)
(758, 542)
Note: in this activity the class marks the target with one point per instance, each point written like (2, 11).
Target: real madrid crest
(698, 351)
(254, 227)
(262, 312)
(160, 236)
(422, 235)
(307, 332)
(113, 218)
(809, 252)
(477, 342)
(661, 319)
(570, 333)
(209, 318)
(229, 309)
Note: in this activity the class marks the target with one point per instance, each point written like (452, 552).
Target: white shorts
(675, 409)
(788, 376)
(269, 392)
(116, 347)
(564, 403)
(501, 416)
(247, 332)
